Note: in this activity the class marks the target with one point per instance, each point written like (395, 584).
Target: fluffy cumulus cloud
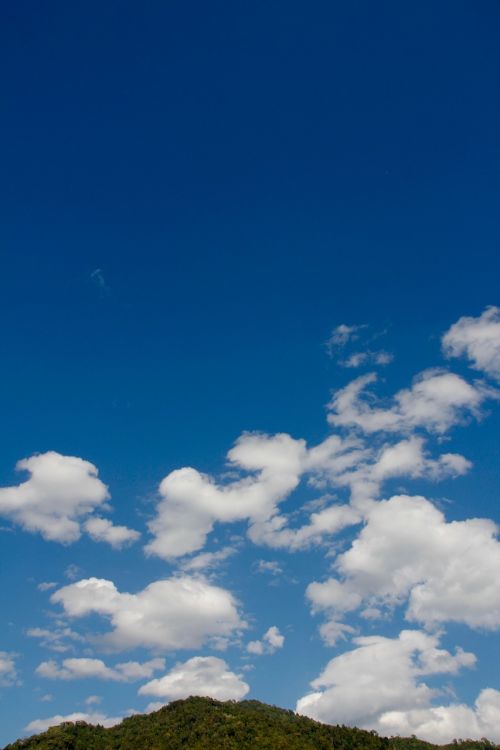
(8, 671)
(408, 552)
(201, 675)
(41, 725)
(442, 723)
(59, 492)
(181, 612)
(436, 401)
(58, 498)
(103, 530)
(269, 643)
(192, 502)
(85, 668)
(478, 339)
(380, 685)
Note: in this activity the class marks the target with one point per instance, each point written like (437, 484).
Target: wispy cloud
(97, 278)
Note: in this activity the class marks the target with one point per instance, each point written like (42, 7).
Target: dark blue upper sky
(194, 194)
(244, 175)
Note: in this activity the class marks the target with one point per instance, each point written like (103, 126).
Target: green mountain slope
(206, 724)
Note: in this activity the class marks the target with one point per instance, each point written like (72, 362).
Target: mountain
(207, 724)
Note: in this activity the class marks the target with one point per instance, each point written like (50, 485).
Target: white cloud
(103, 530)
(362, 469)
(409, 458)
(207, 560)
(275, 533)
(174, 613)
(201, 675)
(85, 668)
(8, 671)
(41, 725)
(270, 642)
(93, 700)
(367, 357)
(59, 492)
(333, 631)
(55, 639)
(342, 335)
(436, 401)
(378, 685)
(72, 572)
(478, 339)
(46, 586)
(193, 502)
(447, 572)
(440, 724)
(272, 567)
(255, 647)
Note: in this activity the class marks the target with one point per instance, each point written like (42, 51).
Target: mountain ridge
(199, 723)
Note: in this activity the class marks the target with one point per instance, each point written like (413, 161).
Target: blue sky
(215, 220)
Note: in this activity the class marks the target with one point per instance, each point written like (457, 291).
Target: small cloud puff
(270, 642)
(102, 530)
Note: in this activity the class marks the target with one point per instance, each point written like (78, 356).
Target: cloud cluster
(270, 467)
(379, 685)
(85, 668)
(201, 675)
(169, 614)
(192, 502)
(408, 552)
(436, 401)
(343, 335)
(269, 643)
(405, 554)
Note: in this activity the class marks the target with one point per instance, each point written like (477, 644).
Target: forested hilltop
(207, 724)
